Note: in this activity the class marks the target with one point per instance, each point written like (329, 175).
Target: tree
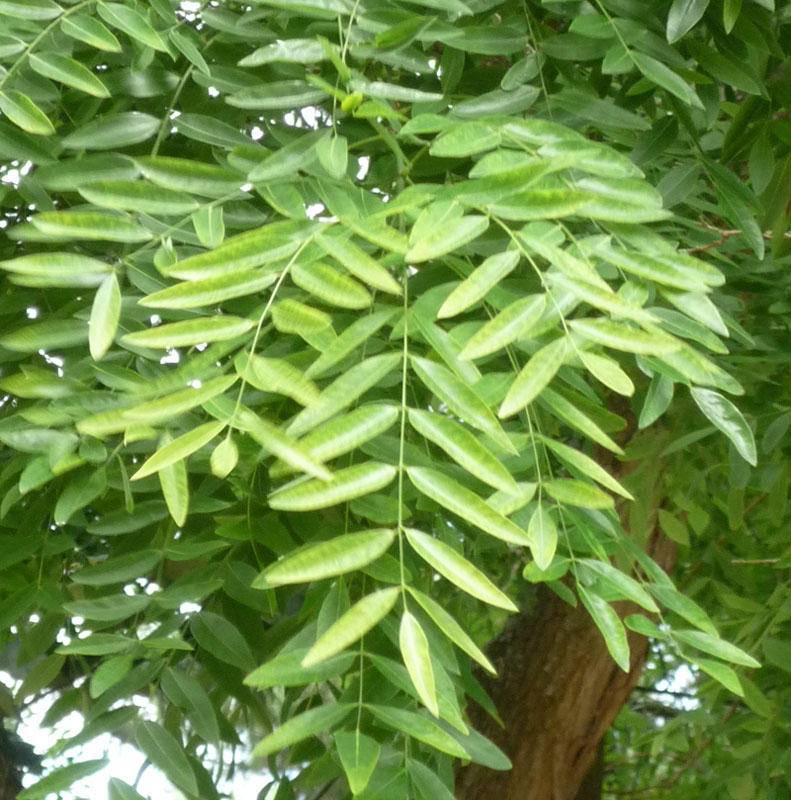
(336, 333)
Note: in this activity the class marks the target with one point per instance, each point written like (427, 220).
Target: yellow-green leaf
(478, 283)
(22, 111)
(175, 486)
(544, 537)
(345, 484)
(336, 556)
(534, 377)
(452, 629)
(351, 625)
(463, 448)
(417, 659)
(277, 376)
(105, 313)
(67, 71)
(210, 291)
(512, 323)
(189, 332)
(179, 449)
(457, 569)
(358, 262)
(466, 504)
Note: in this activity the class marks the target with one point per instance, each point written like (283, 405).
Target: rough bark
(557, 693)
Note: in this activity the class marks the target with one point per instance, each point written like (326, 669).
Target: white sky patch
(363, 164)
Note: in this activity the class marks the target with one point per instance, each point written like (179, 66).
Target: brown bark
(557, 692)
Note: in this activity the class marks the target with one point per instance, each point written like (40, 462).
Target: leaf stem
(405, 351)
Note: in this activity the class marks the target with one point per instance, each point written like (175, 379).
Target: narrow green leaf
(276, 95)
(139, 196)
(356, 334)
(286, 669)
(189, 48)
(452, 629)
(716, 647)
(534, 377)
(336, 556)
(619, 582)
(438, 232)
(175, 486)
(345, 485)
(586, 465)
(478, 283)
(351, 625)
(682, 605)
(167, 753)
(358, 262)
(113, 131)
(278, 443)
(179, 449)
(577, 493)
(665, 78)
(330, 285)
(466, 504)
(60, 779)
(457, 569)
(463, 448)
(189, 332)
(67, 71)
(343, 391)
(358, 754)
(608, 371)
(187, 693)
(460, 399)
(164, 408)
(427, 782)
(683, 16)
(544, 537)
(466, 139)
(417, 659)
(210, 291)
(721, 673)
(22, 111)
(186, 175)
(512, 323)
(224, 458)
(277, 376)
(419, 727)
(118, 569)
(295, 729)
(132, 23)
(724, 415)
(220, 637)
(113, 608)
(343, 434)
(209, 224)
(105, 314)
(91, 31)
(30, 9)
(89, 225)
(333, 153)
(618, 336)
(56, 269)
(609, 624)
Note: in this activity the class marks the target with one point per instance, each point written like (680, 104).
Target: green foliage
(305, 304)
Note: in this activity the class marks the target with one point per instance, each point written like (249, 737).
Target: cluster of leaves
(308, 303)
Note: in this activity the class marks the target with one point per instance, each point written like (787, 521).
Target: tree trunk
(557, 692)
